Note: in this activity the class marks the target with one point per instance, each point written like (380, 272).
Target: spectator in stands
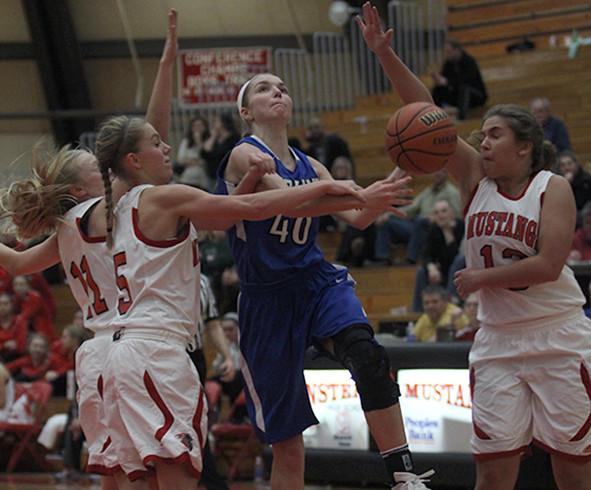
(195, 177)
(222, 139)
(439, 314)
(13, 330)
(15, 400)
(30, 305)
(38, 364)
(356, 246)
(459, 84)
(554, 129)
(216, 256)
(470, 311)
(64, 350)
(230, 387)
(413, 230)
(442, 245)
(581, 248)
(579, 179)
(326, 147)
(189, 154)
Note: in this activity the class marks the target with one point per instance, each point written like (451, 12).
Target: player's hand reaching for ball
(376, 39)
(383, 195)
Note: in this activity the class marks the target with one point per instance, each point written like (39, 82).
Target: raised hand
(171, 46)
(383, 195)
(376, 39)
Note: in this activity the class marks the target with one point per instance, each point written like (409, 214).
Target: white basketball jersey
(501, 229)
(158, 280)
(88, 264)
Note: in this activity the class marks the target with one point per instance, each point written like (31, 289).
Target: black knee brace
(356, 348)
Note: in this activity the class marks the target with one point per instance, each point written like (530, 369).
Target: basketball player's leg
(571, 474)
(287, 471)
(174, 476)
(108, 483)
(123, 483)
(497, 474)
(358, 351)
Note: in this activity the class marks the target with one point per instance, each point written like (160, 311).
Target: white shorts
(155, 405)
(532, 385)
(90, 361)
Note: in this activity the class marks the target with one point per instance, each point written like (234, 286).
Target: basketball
(420, 137)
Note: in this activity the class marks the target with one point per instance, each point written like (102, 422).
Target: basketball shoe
(410, 481)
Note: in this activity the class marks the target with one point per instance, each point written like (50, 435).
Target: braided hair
(117, 137)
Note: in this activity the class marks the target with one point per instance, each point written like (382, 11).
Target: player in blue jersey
(291, 297)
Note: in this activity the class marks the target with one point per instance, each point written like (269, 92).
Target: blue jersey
(273, 250)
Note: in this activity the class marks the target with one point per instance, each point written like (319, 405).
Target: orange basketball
(420, 137)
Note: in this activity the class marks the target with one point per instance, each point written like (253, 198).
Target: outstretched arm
(158, 114)
(31, 260)
(404, 81)
(465, 165)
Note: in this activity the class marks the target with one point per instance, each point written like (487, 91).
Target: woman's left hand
(467, 281)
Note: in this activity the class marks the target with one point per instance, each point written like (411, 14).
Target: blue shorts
(278, 323)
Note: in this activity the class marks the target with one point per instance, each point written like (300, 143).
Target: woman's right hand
(383, 195)
(376, 39)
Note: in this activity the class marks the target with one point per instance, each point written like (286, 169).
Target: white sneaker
(410, 481)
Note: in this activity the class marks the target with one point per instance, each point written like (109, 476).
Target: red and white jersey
(501, 229)
(158, 280)
(89, 268)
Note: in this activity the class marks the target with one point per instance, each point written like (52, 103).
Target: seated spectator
(189, 154)
(216, 256)
(581, 247)
(356, 246)
(229, 290)
(554, 129)
(326, 147)
(579, 179)
(230, 387)
(222, 139)
(439, 314)
(64, 350)
(13, 330)
(441, 247)
(470, 311)
(413, 230)
(195, 177)
(30, 305)
(459, 84)
(16, 400)
(38, 364)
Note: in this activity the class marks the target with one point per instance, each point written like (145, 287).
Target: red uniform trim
(154, 395)
(575, 458)
(87, 238)
(470, 199)
(184, 458)
(106, 444)
(156, 243)
(197, 418)
(99, 385)
(586, 379)
(500, 454)
(517, 198)
(477, 430)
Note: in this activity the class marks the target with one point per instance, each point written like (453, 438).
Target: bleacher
(510, 78)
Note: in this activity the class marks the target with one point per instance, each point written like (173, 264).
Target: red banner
(214, 76)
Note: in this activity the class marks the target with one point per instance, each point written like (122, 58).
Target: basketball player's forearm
(405, 82)
(34, 259)
(523, 273)
(360, 218)
(323, 206)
